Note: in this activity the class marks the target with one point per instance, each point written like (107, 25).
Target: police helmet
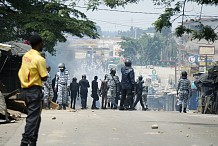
(140, 77)
(74, 79)
(113, 70)
(61, 65)
(84, 76)
(128, 62)
(184, 74)
(96, 77)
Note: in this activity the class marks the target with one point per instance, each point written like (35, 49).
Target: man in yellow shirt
(31, 74)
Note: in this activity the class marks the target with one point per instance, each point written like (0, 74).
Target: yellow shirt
(32, 69)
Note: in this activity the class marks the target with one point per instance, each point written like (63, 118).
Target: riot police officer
(95, 91)
(84, 85)
(113, 84)
(184, 91)
(74, 92)
(62, 85)
(139, 89)
(47, 89)
(127, 84)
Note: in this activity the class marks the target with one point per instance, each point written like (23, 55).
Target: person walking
(31, 74)
(139, 90)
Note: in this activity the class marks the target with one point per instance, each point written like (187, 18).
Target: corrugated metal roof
(5, 47)
(15, 48)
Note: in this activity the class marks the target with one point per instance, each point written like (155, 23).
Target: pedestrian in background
(31, 74)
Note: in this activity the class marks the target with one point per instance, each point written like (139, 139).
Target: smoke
(76, 67)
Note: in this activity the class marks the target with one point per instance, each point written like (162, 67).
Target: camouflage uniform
(62, 84)
(113, 87)
(47, 90)
(103, 93)
(184, 90)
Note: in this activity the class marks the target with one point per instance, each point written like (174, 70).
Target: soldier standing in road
(139, 90)
(84, 85)
(103, 93)
(113, 84)
(95, 91)
(128, 85)
(74, 90)
(62, 85)
(184, 91)
(31, 74)
(47, 88)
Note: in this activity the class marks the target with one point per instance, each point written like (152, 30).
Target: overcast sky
(114, 21)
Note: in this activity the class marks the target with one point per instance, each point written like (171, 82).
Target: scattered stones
(114, 129)
(155, 126)
(180, 131)
(189, 128)
(187, 135)
(211, 144)
(54, 118)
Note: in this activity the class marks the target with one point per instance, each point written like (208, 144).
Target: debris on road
(54, 118)
(155, 126)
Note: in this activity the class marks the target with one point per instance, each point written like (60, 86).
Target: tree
(172, 9)
(50, 19)
(150, 50)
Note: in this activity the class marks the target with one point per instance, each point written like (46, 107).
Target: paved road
(124, 128)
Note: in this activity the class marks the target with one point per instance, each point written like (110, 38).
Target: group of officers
(111, 90)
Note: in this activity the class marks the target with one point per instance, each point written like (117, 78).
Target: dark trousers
(54, 99)
(84, 100)
(126, 98)
(73, 101)
(139, 98)
(104, 101)
(33, 100)
(95, 98)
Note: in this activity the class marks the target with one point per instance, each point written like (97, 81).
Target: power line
(114, 23)
(147, 13)
(122, 11)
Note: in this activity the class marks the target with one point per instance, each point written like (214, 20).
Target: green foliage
(165, 19)
(52, 20)
(151, 50)
(205, 32)
(173, 8)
